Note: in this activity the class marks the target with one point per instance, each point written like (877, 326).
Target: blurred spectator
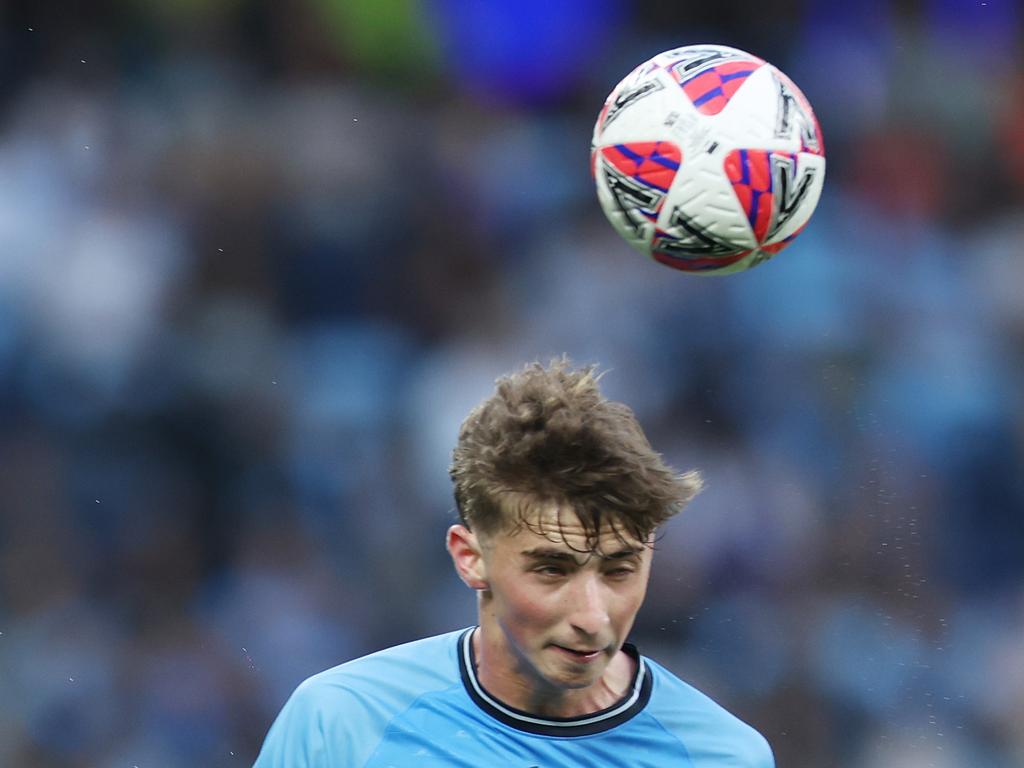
(257, 259)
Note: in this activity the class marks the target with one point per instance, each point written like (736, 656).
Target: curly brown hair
(547, 434)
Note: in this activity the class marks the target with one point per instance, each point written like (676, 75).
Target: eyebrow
(550, 553)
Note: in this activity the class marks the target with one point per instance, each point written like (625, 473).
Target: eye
(621, 572)
(549, 570)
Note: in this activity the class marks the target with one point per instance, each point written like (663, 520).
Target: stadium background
(258, 258)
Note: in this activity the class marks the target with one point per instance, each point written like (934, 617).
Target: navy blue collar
(633, 702)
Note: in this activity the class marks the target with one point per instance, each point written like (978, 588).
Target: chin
(575, 680)
(577, 684)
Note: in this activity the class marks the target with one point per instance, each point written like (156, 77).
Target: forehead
(559, 526)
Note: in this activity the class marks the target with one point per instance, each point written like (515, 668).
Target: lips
(580, 655)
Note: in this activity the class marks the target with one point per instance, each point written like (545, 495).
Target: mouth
(579, 655)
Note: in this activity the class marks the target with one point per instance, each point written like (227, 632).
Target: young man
(559, 494)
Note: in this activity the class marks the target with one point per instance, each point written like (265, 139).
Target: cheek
(629, 602)
(633, 603)
(531, 608)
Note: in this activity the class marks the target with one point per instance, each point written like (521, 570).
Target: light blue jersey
(420, 705)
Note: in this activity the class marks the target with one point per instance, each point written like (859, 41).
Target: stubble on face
(558, 607)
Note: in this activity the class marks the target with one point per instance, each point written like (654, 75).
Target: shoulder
(705, 728)
(402, 672)
(337, 716)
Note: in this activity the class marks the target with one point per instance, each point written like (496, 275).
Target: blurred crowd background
(258, 259)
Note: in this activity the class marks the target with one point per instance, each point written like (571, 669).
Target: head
(560, 495)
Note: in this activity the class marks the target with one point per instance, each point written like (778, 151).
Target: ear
(467, 555)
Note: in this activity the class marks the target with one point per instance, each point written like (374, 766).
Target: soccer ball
(708, 159)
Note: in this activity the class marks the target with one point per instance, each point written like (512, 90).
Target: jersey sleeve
(762, 755)
(333, 719)
(711, 735)
(339, 717)
(297, 738)
(325, 723)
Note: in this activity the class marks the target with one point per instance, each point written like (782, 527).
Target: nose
(589, 611)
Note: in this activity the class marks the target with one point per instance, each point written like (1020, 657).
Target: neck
(511, 680)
